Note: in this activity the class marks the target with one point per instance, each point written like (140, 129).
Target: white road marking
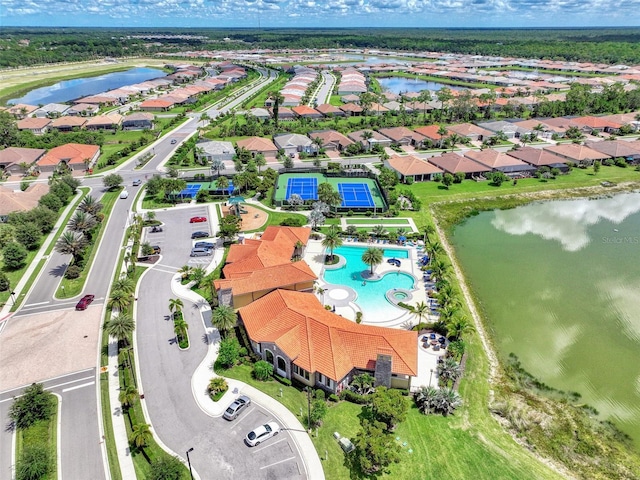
(271, 444)
(65, 390)
(35, 304)
(237, 422)
(276, 463)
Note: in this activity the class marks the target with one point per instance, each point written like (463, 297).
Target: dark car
(85, 302)
(232, 411)
(209, 245)
(200, 235)
(156, 249)
(197, 219)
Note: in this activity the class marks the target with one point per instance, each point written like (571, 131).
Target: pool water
(371, 296)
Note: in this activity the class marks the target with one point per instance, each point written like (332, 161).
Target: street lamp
(308, 407)
(189, 462)
(430, 375)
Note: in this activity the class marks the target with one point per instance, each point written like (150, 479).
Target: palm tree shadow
(58, 271)
(10, 426)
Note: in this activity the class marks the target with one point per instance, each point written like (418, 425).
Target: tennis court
(355, 195)
(191, 190)
(306, 187)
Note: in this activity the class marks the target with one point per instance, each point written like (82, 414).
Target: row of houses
(110, 121)
(74, 156)
(352, 81)
(523, 161)
(295, 89)
(288, 326)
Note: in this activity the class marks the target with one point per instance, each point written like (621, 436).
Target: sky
(320, 13)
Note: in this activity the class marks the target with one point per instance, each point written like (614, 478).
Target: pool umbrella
(236, 199)
(402, 238)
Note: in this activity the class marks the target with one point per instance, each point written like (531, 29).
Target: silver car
(263, 432)
(239, 404)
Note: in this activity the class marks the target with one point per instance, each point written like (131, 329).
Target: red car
(85, 302)
(198, 219)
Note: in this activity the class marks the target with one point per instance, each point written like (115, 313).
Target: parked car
(200, 235)
(201, 252)
(85, 302)
(156, 229)
(124, 194)
(156, 249)
(137, 182)
(263, 432)
(239, 404)
(208, 245)
(197, 219)
(173, 141)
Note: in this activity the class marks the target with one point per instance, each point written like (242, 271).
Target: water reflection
(567, 221)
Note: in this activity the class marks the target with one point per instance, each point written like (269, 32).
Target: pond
(68, 90)
(558, 283)
(403, 84)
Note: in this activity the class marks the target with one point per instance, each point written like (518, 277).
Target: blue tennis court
(307, 188)
(191, 190)
(355, 195)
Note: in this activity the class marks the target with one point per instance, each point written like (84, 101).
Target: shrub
(72, 272)
(319, 393)
(217, 385)
(318, 412)
(34, 463)
(292, 222)
(166, 468)
(24, 186)
(334, 398)
(283, 380)
(243, 352)
(353, 397)
(358, 317)
(4, 282)
(14, 255)
(262, 370)
(229, 352)
(35, 404)
(28, 234)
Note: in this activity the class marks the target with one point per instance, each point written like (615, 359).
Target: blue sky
(321, 13)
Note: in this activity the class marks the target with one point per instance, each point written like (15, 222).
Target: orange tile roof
(431, 132)
(576, 152)
(268, 278)
(493, 159)
(68, 121)
(71, 153)
(33, 123)
(305, 110)
(320, 341)
(410, 165)
(157, 103)
(257, 144)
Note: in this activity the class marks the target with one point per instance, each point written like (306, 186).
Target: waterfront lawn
(377, 221)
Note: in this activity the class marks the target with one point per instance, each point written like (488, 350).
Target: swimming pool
(371, 296)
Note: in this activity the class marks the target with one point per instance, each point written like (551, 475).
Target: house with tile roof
(376, 138)
(21, 110)
(258, 266)
(578, 154)
(37, 126)
(329, 110)
(258, 145)
(351, 109)
(293, 143)
(304, 111)
(74, 156)
(431, 134)
(409, 166)
(499, 161)
(68, 123)
(110, 121)
(138, 121)
(212, 150)
(84, 109)
(51, 110)
(402, 135)
(303, 341)
(331, 140)
(590, 124)
(16, 160)
(537, 157)
(453, 163)
(19, 201)
(630, 151)
(158, 104)
(471, 131)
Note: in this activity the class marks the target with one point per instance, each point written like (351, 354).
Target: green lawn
(275, 218)
(41, 433)
(377, 221)
(275, 86)
(71, 288)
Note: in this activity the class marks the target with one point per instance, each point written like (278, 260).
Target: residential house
(18, 201)
(376, 138)
(329, 110)
(258, 145)
(453, 163)
(21, 110)
(17, 160)
(83, 109)
(159, 104)
(303, 341)
(471, 131)
(594, 125)
(534, 126)
(628, 119)
(402, 135)
(37, 126)
(212, 150)
(510, 130)
(578, 154)
(284, 113)
(74, 156)
(411, 168)
(331, 140)
(630, 151)
(51, 110)
(351, 109)
(256, 267)
(110, 121)
(432, 136)
(138, 121)
(537, 157)
(303, 111)
(377, 109)
(68, 123)
(293, 143)
(350, 99)
(260, 113)
(499, 161)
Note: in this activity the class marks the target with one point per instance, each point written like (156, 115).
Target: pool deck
(341, 298)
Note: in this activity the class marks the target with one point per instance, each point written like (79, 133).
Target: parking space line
(276, 463)
(243, 417)
(270, 445)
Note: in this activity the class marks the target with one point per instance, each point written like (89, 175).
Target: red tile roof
(71, 153)
(410, 165)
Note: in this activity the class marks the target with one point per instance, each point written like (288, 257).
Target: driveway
(166, 371)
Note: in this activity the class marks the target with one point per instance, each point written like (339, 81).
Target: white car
(262, 433)
(124, 194)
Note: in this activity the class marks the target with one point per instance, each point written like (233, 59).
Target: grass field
(377, 221)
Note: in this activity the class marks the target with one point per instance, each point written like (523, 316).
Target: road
(166, 373)
(79, 431)
(80, 454)
(323, 94)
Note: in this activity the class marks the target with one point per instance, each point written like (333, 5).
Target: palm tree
(175, 306)
(420, 310)
(332, 240)
(442, 131)
(198, 274)
(82, 222)
(150, 216)
(128, 396)
(426, 399)
(141, 435)
(125, 284)
(260, 161)
(318, 143)
(71, 243)
(363, 383)
(435, 250)
(366, 136)
(447, 401)
(447, 313)
(180, 327)
(90, 205)
(217, 384)
(448, 371)
(428, 231)
(120, 327)
(119, 300)
(458, 326)
(372, 257)
(185, 271)
(217, 165)
(224, 318)
(277, 100)
(440, 268)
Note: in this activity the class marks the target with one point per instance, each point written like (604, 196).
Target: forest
(24, 46)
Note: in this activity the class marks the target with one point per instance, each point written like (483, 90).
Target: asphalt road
(219, 449)
(326, 89)
(79, 438)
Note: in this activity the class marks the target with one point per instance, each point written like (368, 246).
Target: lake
(68, 90)
(559, 285)
(402, 85)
